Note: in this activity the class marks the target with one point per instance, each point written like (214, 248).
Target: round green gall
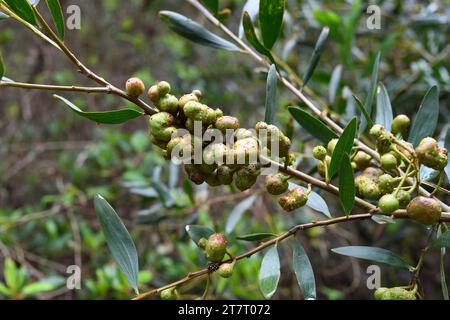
(260, 126)
(319, 153)
(226, 270)
(168, 103)
(376, 131)
(153, 94)
(277, 184)
(379, 293)
(161, 126)
(382, 136)
(169, 294)
(225, 175)
(388, 204)
(173, 143)
(245, 150)
(431, 155)
(227, 123)
(424, 210)
(246, 177)
(196, 111)
(404, 198)
(163, 88)
(202, 243)
(372, 172)
(210, 116)
(388, 161)
(158, 143)
(166, 134)
(161, 120)
(274, 135)
(332, 145)
(212, 180)
(400, 124)
(242, 133)
(291, 159)
(187, 98)
(386, 183)
(367, 186)
(134, 87)
(398, 293)
(215, 153)
(219, 113)
(362, 160)
(295, 199)
(244, 183)
(216, 247)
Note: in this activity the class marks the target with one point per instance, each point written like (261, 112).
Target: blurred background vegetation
(52, 162)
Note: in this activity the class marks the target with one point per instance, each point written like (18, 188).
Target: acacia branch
(319, 113)
(87, 72)
(34, 86)
(400, 214)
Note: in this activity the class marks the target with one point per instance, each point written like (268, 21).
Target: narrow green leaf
(428, 174)
(252, 7)
(343, 146)
(314, 126)
(38, 287)
(256, 236)
(250, 35)
(303, 271)
(382, 219)
(195, 32)
(334, 83)
(442, 267)
(198, 232)
(373, 254)
(105, 117)
(441, 242)
(363, 111)
(212, 5)
(384, 114)
(10, 273)
(371, 94)
(315, 201)
(57, 14)
(347, 191)
(271, 94)
(426, 119)
(119, 240)
(270, 20)
(23, 9)
(2, 67)
(442, 275)
(269, 273)
(237, 212)
(317, 52)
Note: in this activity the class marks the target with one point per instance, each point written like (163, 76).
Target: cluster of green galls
(395, 293)
(386, 183)
(221, 164)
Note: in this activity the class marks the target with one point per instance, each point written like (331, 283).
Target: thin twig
(400, 214)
